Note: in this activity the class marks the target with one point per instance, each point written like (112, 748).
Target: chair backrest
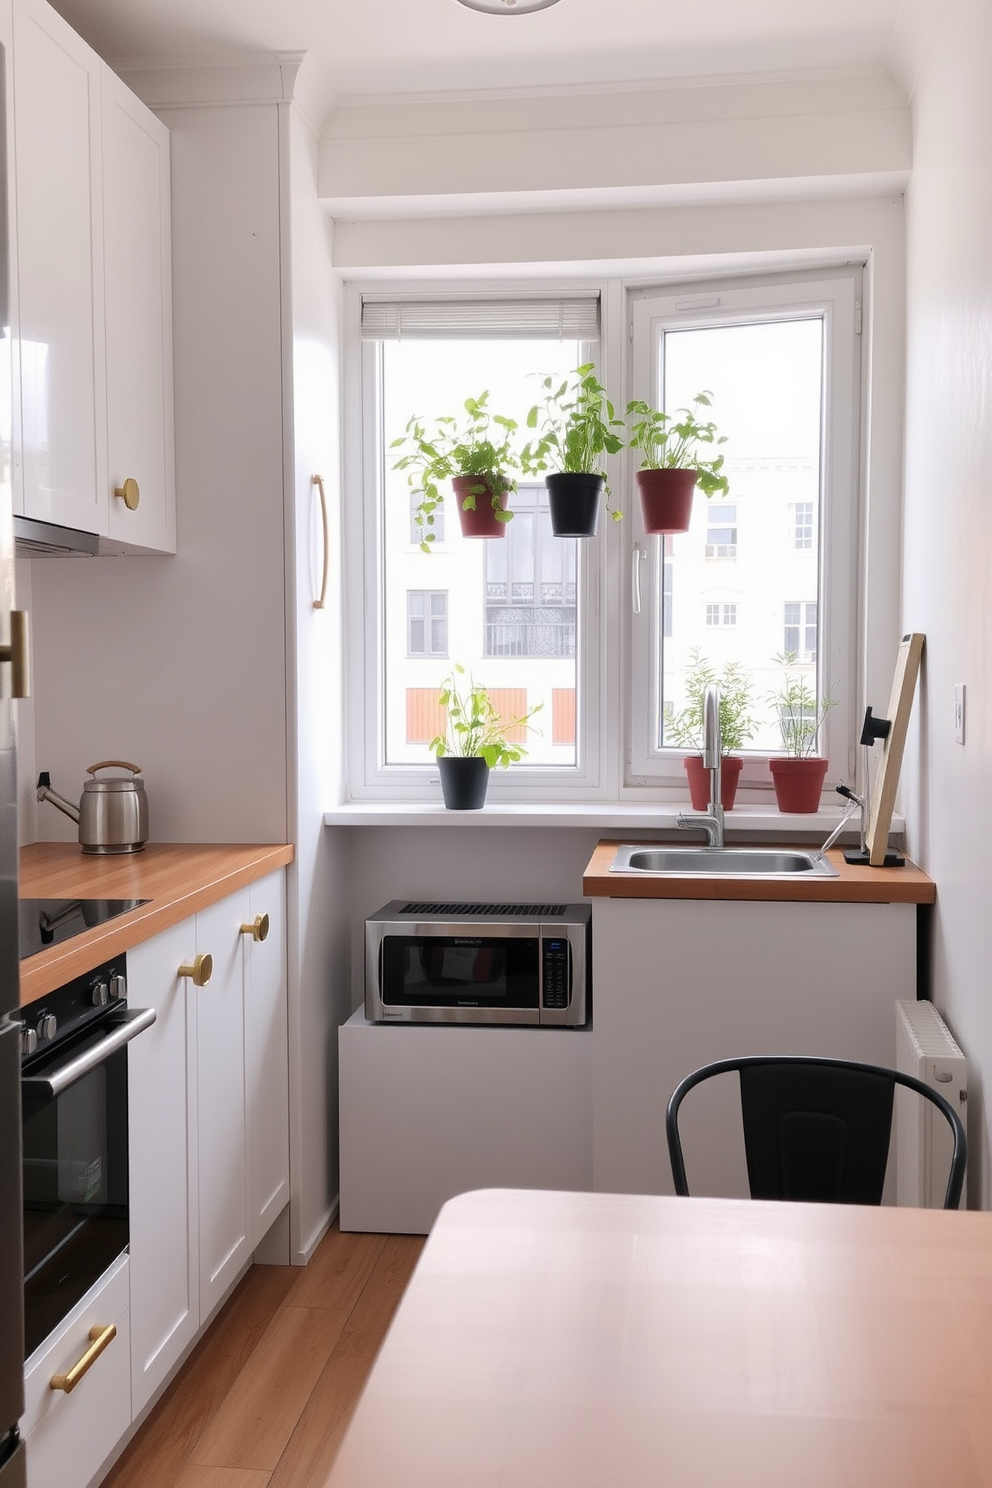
(816, 1129)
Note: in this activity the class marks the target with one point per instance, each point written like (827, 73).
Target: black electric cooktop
(47, 922)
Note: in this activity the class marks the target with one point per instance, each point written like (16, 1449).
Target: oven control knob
(118, 988)
(100, 994)
(29, 1041)
(47, 1026)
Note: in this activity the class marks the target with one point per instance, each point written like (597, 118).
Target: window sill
(648, 817)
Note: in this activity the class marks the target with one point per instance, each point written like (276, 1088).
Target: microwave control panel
(554, 992)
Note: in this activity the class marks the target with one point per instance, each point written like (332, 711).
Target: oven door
(489, 974)
(74, 1115)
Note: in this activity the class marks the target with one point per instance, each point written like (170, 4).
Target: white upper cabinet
(138, 295)
(57, 168)
(91, 277)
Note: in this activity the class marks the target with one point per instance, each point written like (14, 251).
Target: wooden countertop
(176, 878)
(647, 1342)
(907, 885)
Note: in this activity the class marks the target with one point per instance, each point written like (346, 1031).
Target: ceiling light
(507, 7)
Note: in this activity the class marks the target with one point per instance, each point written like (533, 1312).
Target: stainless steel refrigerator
(12, 1471)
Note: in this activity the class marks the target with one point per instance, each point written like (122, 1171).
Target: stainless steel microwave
(447, 962)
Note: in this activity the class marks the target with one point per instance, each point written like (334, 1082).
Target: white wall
(948, 522)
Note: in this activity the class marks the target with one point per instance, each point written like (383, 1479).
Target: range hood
(34, 539)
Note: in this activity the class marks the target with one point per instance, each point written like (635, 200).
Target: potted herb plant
(476, 454)
(672, 462)
(473, 743)
(798, 775)
(737, 725)
(576, 427)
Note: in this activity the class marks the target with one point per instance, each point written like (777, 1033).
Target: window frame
(834, 293)
(369, 776)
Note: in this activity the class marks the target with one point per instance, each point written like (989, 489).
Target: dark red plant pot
(666, 499)
(798, 783)
(574, 501)
(464, 781)
(482, 521)
(699, 780)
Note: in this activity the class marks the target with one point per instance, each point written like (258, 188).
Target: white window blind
(573, 317)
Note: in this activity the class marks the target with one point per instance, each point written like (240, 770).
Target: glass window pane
(765, 384)
(511, 615)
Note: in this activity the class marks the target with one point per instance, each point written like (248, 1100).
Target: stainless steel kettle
(112, 813)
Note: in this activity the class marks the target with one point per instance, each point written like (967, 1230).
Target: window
(510, 610)
(602, 633)
(780, 362)
(721, 531)
(721, 614)
(427, 622)
(800, 631)
(802, 525)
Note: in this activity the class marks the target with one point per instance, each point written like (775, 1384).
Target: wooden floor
(263, 1400)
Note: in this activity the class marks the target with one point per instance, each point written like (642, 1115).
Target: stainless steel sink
(721, 862)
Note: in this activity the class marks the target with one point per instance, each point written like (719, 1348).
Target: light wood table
(566, 1340)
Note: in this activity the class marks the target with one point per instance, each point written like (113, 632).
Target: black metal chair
(816, 1130)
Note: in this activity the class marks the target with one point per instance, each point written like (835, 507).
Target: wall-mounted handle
(200, 972)
(635, 578)
(258, 929)
(129, 493)
(99, 1338)
(17, 654)
(318, 481)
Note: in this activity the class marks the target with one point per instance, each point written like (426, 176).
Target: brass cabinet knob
(129, 493)
(258, 929)
(17, 654)
(200, 972)
(98, 1340)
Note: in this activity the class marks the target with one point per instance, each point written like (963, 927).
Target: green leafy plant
(576, 427)
(673, 442)
(480, 444)
(737, 720)
(474, 727)
(800, 713)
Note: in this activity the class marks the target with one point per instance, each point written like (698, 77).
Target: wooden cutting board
(883, 796)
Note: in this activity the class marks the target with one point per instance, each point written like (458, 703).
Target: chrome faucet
(711, 822)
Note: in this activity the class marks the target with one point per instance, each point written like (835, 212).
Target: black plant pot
(464, 779)
(574, 501)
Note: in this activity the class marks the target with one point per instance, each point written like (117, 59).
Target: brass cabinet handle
(318, 481)
(258, 929)
(17, 654)
(129, 493)
(200, 972)
(99, 1338)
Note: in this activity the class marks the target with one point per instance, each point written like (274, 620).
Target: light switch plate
(959, 712)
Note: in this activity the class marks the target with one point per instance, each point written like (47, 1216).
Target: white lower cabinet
(209, 1118)
(70, 1434)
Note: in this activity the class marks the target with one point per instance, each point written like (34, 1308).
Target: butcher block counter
(177, 879)
(853, 885)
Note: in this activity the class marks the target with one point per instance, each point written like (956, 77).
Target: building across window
(530, 584)
(427, 622)
(799, 636)
(721, 532)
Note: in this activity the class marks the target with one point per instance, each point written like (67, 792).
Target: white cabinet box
(209, 1118)
(90, 293)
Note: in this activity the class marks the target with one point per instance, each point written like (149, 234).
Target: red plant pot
(482, 521)
(699, 780)
(798, 783)
(666, 499)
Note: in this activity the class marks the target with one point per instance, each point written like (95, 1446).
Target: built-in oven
(75, 1146)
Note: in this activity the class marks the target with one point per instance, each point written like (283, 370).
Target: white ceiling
(438, 46)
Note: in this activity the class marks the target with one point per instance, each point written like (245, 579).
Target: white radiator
(926, 1048)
